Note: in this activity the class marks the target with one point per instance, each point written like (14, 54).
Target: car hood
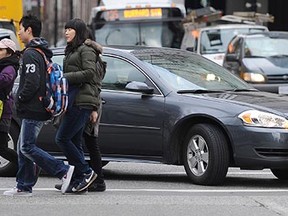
(254, 100)
(268, 66)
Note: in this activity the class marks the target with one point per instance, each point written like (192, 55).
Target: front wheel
(6, 167)
(206, 155)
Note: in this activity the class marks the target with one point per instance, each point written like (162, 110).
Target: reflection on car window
(174, 80)
(190, 72)
(119, 73)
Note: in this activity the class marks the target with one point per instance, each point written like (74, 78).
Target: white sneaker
(67, 179)
(16, 192)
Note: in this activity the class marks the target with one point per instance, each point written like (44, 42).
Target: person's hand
(93, 116)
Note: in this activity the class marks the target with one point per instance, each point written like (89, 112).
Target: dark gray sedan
(174, 107)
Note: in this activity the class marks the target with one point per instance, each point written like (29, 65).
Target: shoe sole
(68, 179)
(88, 184)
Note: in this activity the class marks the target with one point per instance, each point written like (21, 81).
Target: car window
(216, 40)
(234, 47)
(119, 73)
(58, 59)
(266, 46)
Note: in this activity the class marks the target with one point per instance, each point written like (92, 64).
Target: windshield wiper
(198, 91)
(279, 56)
(254, 56)
(243, 90)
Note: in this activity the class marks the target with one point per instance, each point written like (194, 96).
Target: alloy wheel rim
(197, 155)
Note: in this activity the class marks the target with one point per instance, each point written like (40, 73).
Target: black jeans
(5, 152)
(92, 146)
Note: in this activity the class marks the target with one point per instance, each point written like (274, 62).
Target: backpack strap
(41, 52)
(49, 101)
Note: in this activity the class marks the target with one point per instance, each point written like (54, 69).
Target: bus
(10, 14)
(157, 24)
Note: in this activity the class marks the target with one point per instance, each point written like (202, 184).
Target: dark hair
(91, 35)
(33, 22)
(9, 51)
(81, 34)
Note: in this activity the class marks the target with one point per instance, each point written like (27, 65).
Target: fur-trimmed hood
(94, 45)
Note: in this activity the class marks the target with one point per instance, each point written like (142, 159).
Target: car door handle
(103, 101)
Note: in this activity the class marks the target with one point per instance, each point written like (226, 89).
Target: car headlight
(253, 77)
(263, 119)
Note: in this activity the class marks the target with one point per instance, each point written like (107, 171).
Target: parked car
(260, 59)
(175, 107)
(212, 41)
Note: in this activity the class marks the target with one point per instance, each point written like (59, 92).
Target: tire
(206, 155)
(281, 174)
(8, 169)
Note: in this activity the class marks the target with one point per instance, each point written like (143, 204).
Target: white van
(211, 42)
(6, 33)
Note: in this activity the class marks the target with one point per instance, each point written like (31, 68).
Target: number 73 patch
(30, 68)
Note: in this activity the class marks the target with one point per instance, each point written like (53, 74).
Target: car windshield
(265, 47)
(216, 40)
(157, 34)
(184, 71)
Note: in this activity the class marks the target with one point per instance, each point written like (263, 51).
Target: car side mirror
(139, 87)
(232, 57)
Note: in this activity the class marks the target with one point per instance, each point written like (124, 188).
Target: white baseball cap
(7, 43)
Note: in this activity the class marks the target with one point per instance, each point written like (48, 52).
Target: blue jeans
(69, 139)
(28, 153)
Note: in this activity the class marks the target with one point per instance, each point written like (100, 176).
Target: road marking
(179, 190)
(229, 173)
(200, 191)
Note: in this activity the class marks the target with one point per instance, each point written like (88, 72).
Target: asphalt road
(149, 189)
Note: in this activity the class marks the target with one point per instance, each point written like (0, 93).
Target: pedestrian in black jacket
(31, 111)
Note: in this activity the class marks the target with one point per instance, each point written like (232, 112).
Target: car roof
(129, 49)
(232, 26)
(271, 34)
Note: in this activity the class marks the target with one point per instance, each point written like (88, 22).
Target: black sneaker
(69, 189)
(97, 187)
(86, 182)
(58, 186)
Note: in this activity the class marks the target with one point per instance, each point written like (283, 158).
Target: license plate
(283, 90)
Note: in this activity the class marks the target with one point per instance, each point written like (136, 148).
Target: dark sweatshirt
(32, 84)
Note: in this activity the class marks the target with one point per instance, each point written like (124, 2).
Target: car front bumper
(259, 148)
